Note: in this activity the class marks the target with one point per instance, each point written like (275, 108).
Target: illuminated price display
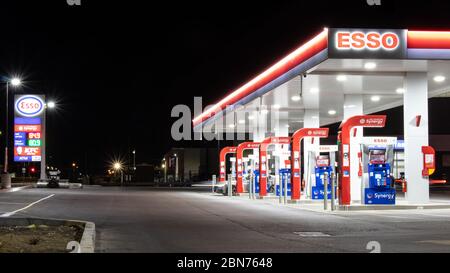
(28, 126)
(34, 135)
(34, 142)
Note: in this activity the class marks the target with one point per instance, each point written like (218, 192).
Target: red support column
(222, 167)
(296, 156)
(263, 160)
(239, 153)
(373, 121)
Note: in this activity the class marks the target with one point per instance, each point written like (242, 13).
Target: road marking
(8, 214)
(400, 217)
(436, 242)
(312, 234)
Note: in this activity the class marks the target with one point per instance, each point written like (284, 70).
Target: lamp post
(118, 167)
(6, 178)
(134, 160)
(48, 105)
(14, 82)
(176, 167)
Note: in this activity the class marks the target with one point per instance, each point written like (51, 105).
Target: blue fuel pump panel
(256, 181)
(380, 191)
(285, 174)
(318, 191)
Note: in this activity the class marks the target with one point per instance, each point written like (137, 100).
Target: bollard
(254, 189)
(250, 186)
(333, 192)
(285, 188)
(213, 184)
(325, 194)
(280, 188)
(230, 188)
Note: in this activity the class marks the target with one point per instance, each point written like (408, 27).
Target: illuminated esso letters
(29, 106)
(372, 40)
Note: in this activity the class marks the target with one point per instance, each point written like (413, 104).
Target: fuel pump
(252, 174)
(246, 172)
(324, 162)
(377, 161)
(380, 190)
(223, 163)
(323, 170)
(284, 180)
(244, 166)
(345, 155)
(274, 151)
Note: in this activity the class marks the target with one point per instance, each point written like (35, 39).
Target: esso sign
(367, 43)
(29, 106)
(372, 40)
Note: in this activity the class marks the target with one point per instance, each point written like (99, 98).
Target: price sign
(34, 135)
(28, 137)
(34, 142)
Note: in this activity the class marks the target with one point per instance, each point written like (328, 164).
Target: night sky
(116, 68)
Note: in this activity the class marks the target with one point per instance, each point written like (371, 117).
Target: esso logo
(29, 106)
(372, 40)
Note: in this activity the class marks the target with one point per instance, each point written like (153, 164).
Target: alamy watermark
(374, 247)
(73, 2)
(230, 123)
(374, 2)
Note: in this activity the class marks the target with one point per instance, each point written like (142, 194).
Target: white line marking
(312, 234)
(8, 214)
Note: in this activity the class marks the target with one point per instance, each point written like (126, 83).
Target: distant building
(145, 173)
(189, 164)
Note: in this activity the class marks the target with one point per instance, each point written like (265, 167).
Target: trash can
(6, 181)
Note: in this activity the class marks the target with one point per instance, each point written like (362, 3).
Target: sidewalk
(318, 205)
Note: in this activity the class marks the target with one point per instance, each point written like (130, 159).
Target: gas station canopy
(371, 63)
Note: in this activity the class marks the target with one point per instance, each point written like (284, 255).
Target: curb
(15, 189)
(398, 207)
(342, 209)
(62, 185)
(87, 242)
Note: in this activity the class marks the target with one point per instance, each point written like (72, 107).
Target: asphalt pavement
(191, 220)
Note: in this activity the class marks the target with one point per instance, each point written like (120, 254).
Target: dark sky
(116, 68)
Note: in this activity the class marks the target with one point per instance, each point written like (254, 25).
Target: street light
(118, 167)
(14, 82)
(51, 104)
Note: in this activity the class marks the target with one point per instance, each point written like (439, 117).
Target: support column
(353, 106)
(282, 130)
(311, 120)
(415, 102)
(258, 124)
